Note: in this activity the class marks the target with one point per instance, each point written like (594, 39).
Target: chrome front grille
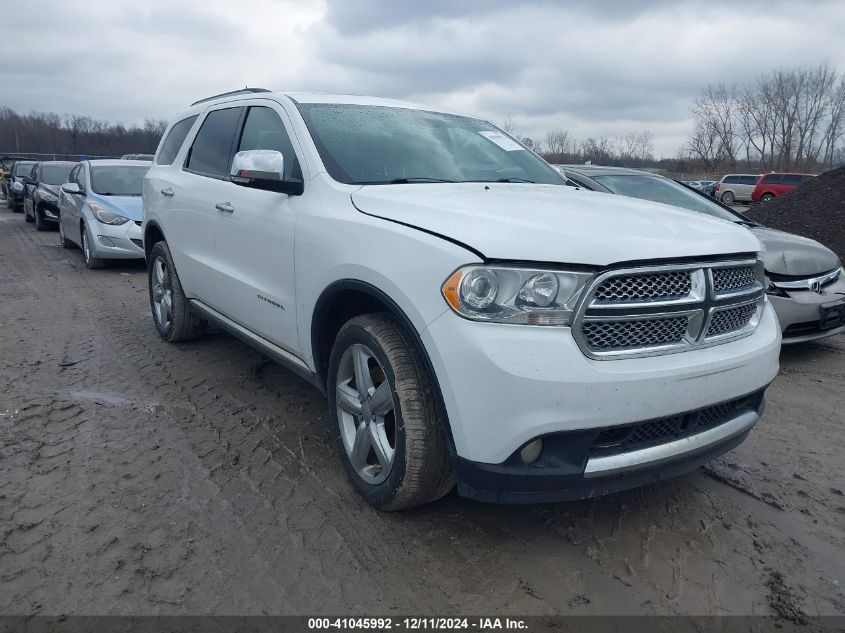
(662, 309)
(651, 287)
(726, 320)
(615, 335)
(732, 279)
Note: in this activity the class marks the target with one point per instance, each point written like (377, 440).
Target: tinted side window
(209, 155)
(171, 143)
(750, 180)
(264, 130)
(793, 179)
(773, 179)
(80, 178)
(73, 173)
(730, 180)
(806, 178)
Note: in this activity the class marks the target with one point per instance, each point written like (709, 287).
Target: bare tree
(509, 125)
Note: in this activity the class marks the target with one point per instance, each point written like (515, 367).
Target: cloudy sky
(596, 68)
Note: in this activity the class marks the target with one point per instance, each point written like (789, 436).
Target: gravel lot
(146, 478)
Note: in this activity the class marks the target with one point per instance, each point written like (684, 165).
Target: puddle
(180, 410)
(100, 397)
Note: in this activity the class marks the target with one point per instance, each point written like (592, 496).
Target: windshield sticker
(506, 143)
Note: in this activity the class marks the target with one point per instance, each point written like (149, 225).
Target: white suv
(470, 318)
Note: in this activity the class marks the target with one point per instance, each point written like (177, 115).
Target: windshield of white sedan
(118, 181)
(666, 191)
(362, 144)
(55, 174)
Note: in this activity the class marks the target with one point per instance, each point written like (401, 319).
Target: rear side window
(209, 154)
(793, 179)
(772, 179)
(749, 180)
(173, 141)
(264, 130)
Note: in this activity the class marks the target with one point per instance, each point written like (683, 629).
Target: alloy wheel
(162, 293)
(86, 251)
(366, 414)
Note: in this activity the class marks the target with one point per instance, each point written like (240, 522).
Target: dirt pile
(815, 209)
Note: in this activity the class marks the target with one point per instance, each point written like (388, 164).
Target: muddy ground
(146, 478)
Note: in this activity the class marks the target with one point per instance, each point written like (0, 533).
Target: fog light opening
(531, 451)
(105, 241)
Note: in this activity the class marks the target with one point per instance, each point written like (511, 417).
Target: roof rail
(229, 94)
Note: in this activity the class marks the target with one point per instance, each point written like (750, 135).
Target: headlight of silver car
(107, 217)
(509, 294)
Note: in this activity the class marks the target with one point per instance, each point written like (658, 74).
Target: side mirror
(264, 169)
(72, 188)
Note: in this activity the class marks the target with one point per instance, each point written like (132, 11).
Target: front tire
(391, 435)
(40, 224)
(171, 312)
(765, 198)
(90, 261)
(728, 197)
(26, 215)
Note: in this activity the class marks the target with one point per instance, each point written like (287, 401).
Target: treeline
(50, 133)
(635, 149)
(784, 120)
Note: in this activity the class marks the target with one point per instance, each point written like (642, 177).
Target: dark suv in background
(41, 198)
(17, 184)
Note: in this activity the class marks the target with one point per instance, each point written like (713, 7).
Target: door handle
(167, 191)
(225, 206)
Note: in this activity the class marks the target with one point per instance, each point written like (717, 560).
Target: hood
(127, 206)
(788, 254)
(53, 189)
(553, 223)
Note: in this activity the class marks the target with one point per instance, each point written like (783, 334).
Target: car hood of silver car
(789, 254)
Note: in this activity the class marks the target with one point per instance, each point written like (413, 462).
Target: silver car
(100, 210)
(806, 282)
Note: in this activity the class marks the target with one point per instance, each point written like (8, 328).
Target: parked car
(710, 189)
(805, 280)
(735, 188)
(772, 185)
(468, 315)
(147, 157)
(17, 184)
(41, 195)
(100, 210)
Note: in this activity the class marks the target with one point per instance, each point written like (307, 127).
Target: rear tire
(171, 311)
(66, 243)
(728, 197)
(396, 384)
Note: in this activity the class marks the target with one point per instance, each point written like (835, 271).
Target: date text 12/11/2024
(418, 624)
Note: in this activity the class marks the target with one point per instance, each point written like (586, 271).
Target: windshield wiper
(403, 181)
(515, 180)
(747, 223)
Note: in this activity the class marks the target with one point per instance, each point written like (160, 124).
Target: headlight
(107, 217)
(49, 198)
(505, 294)
(17, 186)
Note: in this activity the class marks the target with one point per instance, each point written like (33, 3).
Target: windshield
(22, 169)
(663, 190)
(54, 174)
(118, 180)
(362, 144)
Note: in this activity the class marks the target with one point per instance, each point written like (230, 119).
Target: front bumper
(799, 312)
(116, 242)
(505, 385)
